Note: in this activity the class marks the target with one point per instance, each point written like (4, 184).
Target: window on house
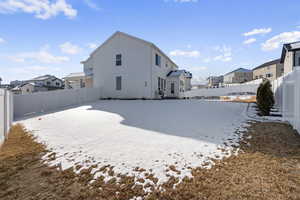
(165, 84)
(118, 59)
(57, 83)
(172, 88)
(296, 58)
(158, 79)
(167, 65)
(48, 83)
(161, 84)
(118, 82)
(157, 60)
(269, 75)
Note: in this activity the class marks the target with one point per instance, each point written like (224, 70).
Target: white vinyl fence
(6, 113)
(291, 98)
(277, 88)
(236, 89)
(48, 101)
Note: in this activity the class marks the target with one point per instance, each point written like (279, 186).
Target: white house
(28, 88)
(48, 81)
(128, 67)
(239, 75)
(290, 56)
(78, 80)
(37, 84)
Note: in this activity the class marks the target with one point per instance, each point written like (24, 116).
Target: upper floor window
(296, 58)
(48, 83)
(157, 60)
(118, 59)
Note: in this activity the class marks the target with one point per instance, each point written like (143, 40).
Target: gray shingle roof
(273, 62)
(239, 70)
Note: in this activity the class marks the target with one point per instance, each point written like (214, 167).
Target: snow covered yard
(163, 138)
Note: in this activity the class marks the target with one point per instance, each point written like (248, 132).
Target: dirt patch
(267, 168)
(239, 99)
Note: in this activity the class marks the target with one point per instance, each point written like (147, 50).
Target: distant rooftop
(178, 73)
(75, 74)
(44, 77)
(273, 62)
(239, 70)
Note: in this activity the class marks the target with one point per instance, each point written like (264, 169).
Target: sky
(206, 37)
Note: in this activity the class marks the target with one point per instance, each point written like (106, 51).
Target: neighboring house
(270, 70)
(128, 67)
(28, 88)
(290, 56)
(37, 84)
(48, 81)
(214, 81)
(78, 80)
(178, 81)
(239, 75)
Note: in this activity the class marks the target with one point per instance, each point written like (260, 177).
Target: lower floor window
(118, 82)
(172, 88)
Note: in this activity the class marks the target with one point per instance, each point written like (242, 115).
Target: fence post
(297, 99)
(2, 115)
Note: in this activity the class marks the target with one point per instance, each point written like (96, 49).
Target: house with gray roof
(37, 84)
(270, 70)
(78, 80)
(240, 75)
(127, 67)
(290, 56)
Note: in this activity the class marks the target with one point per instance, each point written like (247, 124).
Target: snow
(148, 134)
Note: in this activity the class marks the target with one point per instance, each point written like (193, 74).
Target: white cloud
(276, 41)
(92, 4)
(92, 45)
(250, 41)
(182, 53)
(42, 9)
(69, 48)
(41, 56)
(260, 31)
(2, 40)
(225, 53)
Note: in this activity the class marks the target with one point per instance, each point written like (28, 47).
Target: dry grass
(268, 169)
(252, 99)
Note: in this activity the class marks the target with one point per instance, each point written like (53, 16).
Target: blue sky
(207, 37)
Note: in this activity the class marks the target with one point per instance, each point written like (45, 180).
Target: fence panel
(6, 113)
(47, 101)
(291, 98)
(277, 88)
(222, 91)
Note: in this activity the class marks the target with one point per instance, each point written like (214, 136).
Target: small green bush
(265, 98)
